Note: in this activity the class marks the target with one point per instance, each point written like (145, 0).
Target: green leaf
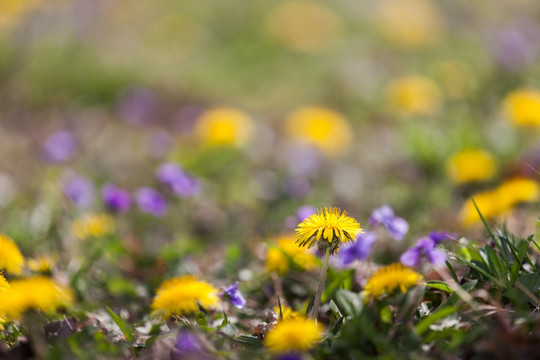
(531, 282)
(453, 299)
(335, 309)
(439, 285)
(351, 302)
(437, 315)
(124, 326)
(200, 318)
(477, 268)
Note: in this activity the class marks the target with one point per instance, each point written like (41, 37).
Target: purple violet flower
(151, 201)
(138, 106)
(290, 356)
(440, 236)
(424, 247)
(172, 175)
(397, 227)
(60, 146)
(236, 297)
(359, 250)
(115, 198)
(188, 346)
(79, 190)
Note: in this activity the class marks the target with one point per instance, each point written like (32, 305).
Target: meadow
(289, 180)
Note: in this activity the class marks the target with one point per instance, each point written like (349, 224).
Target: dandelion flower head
(414, 95)
(522, 107)
(11, 259)
(4, 285)
(279, 257)
(293, 334)
(40, 264)
(471, 165)
(320, 127)
(409, 22)
(92, 225)
(390, 278)
(304, 26)
(328, 228)
(180, 295)
(224, 126)
(35, 293)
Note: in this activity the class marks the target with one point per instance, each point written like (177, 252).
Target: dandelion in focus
(414, 95)
(409, 22)
(471, 165)
(328, 229)
(224, 126)
(279, 257)
(182, 295)
(304, 26)
(320, 127)
(390, 278)
(293, 334)
(92, 226)
(35, 293)
(522, 107)
(11, 259)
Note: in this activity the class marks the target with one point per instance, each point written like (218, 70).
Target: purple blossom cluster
(425, 248)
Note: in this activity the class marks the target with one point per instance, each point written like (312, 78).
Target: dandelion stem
(320, 288)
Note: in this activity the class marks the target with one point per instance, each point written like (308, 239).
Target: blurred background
(217, 121)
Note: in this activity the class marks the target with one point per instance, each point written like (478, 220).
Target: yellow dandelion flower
(12, 11)
(522, 107)
(470, 165)
(11, 258)
(224, 126)
(93, 226)
(277, 259)
(499, 201)
(181, 295)
(320, 127)
(409, 22)
(414, 95)
(293, 334)
(390, 278)
(287, 312)
(303, 25)
(40, 264)
(4, 285)
(36, 293)
(327, 228)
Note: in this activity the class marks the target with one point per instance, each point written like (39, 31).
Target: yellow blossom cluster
(278, 258)
(500, 200)
(92, 225)
(471, 165)
(390, 278)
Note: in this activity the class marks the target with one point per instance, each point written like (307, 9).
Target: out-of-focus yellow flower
(11, 258)
(224, 126)
(321, 127)
(328, 228)
(415, 95)
(522, 107)
(36, 293)
(287, 312)
(181, 295)
(277, 259)
(470, 165)
(303, 25)
(40, 264)
(4, 285)
(409, 22)
(293, 335)
(11, 11)
(455, 77)
(390, 278)
(499, 201)
(92, 225)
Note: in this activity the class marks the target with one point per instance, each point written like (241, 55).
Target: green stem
(320, 288)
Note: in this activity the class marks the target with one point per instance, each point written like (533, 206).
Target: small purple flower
(151, 201)
(397, 227)
(172, 175)
(440, 236)
(515, 46)
(60, 146)
(424, 247)
(236, 297)
(290, 356)
(138, 106)
(115, 198)
(79, 190)
(359, 250)
(188, 342)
